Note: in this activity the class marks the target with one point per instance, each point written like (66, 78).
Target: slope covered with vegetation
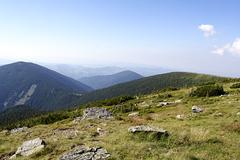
(29, 84)
(164, 82)
(210, 134)
(152, 84)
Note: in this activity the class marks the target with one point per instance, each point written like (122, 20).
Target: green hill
(29, 84)
(152, 84)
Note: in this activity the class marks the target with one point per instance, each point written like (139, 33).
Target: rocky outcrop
(96, 113)
(16, 130)
(29, 148)
(148, 129)
(86, 153)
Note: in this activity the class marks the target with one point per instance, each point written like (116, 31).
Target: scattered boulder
(29, 148)
(86, 153)
(16, 130)
(96, 113)
(238, 113)
(148, 129)
(180, 117)
(134, 114)
(196, 109)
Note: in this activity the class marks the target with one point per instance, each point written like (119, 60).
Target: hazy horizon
(186, 35)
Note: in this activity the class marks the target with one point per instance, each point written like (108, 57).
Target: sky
(189, 35)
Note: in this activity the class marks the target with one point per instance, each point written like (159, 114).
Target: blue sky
(164, 33)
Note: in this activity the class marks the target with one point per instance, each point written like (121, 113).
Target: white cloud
(221, 50)
(233, 48)
(207, 29)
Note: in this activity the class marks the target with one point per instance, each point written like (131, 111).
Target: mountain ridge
(104, 81)
(151, 84)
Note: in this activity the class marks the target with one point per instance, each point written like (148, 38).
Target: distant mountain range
(29, 90)
(77, 71)
(104, 81)
(30, 84)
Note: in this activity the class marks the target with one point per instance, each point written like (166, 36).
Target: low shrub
(149, 136)
(110, 102)
(207, 91)
(165, 96)
(124, 108)
(169, 89)
(234, 86)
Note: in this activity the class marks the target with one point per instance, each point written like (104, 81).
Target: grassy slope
(200, 136)
(151, 84)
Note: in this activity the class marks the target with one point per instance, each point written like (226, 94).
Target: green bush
(110, 102)
(169, 89)
(236, 85)
(207, 91)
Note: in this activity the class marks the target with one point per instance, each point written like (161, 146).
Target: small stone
(161, 104)
(180, 117)
(29, 148)
(196, 109)
(178, 101)
(16, 130)
(219, 114)
(134, 114)
(101, 132)
(147, 129)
